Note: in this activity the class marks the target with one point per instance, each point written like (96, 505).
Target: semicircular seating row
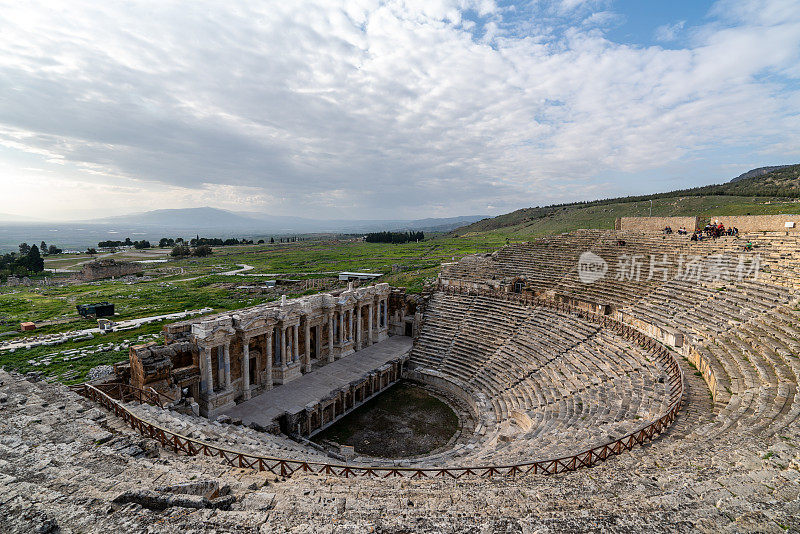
(750, 336)
(747, 331)
(557, 384)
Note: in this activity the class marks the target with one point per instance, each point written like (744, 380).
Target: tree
(128, 242)
(202, 251)
(33, 261)
(43, 248)
(139, 245)
(260, 241)
(91, 251)
(272, 240)
(53, 249)
(24, 248)
(180, 251)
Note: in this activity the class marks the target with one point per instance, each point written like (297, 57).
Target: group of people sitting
(681, 231)
(718, 229)
(714, 229)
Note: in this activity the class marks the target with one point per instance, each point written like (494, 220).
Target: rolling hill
(771, 192)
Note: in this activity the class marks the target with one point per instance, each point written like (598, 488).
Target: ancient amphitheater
(606, 381)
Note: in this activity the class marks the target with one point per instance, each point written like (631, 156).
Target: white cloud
(373, 109)
(669, 32)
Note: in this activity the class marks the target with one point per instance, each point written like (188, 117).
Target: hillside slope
(775, 192)
(759, 172)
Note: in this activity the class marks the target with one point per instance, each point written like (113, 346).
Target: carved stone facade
(248, 351)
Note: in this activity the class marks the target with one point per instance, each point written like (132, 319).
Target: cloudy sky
(387, 109)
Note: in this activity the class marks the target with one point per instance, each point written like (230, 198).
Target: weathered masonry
(228, 358)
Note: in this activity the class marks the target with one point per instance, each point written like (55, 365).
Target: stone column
(226, 351)
(330, 338)
(370, 307)
(220, 368)
(341, 327)
(352, 330)
(385, 314)
(206, 374)
(269, 359)
(295, 344)
(307, 345)
(283, 354)
(246, 368)
(358, 327)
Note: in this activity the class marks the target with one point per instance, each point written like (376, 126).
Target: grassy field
(193, 283)
(71, 361)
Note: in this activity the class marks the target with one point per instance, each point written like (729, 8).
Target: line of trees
(218, 242)
(781, 183)
(170, 242)
(115, 244)
(182, 251)
(394, 237)
(144, 243)
(27, 261)
(44, 250)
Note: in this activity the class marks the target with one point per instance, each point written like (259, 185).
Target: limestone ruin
(222, 360)
(108, 268)
(672, 371)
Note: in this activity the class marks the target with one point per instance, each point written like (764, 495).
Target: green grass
(191, 283)
(529, 223)
(196, 285)
(74, 371)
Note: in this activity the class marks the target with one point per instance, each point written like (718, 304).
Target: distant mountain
(209, 219)
(761, 171)
(181, 218)
(208, 222)
(8, 218)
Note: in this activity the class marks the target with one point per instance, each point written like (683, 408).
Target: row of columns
(284, 353)
(354, 332)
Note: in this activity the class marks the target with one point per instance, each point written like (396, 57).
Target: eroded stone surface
(67, 478)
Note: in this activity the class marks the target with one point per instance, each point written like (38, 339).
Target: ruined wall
(151, 365)
(655, 224)
(404, 312)
(97, 270)
(760, 223)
